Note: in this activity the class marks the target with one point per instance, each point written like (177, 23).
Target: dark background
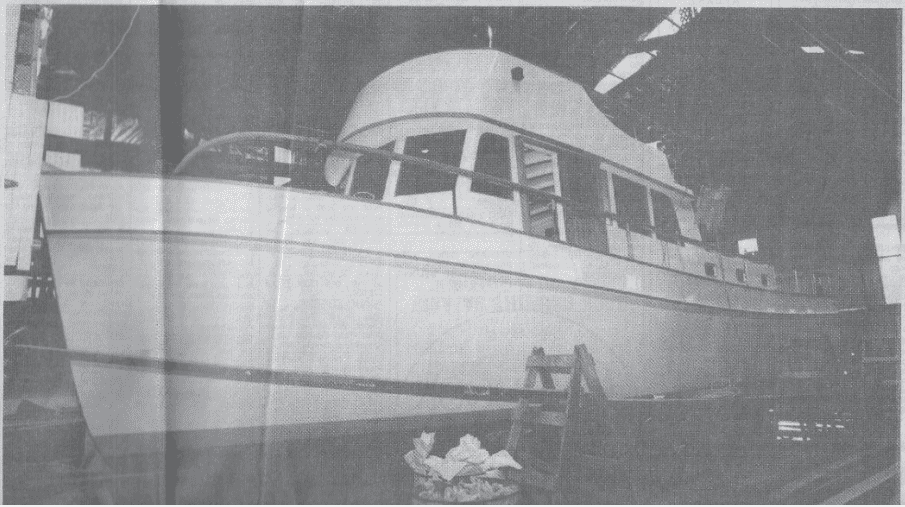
(807, 144)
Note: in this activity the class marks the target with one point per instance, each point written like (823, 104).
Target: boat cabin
(501, 119)
(496, 140)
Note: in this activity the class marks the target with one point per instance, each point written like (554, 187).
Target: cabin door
(539, 169)
(481, 199)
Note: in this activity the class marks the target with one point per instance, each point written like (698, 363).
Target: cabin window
(442, 147)
(740, 275)
(710, 269)
(665, 221)
(631, 205)
(370, 178)
(492, 160)
(764, 280)
(584, 183)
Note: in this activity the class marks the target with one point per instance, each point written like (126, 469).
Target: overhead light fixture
(853, 52)
(812, 49)
(631, 64)
(673, 23)
(622, 70)
(606, 84)
(662, 30)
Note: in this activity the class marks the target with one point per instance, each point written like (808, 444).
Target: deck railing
(792, 281)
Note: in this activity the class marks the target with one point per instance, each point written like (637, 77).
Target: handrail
(445, 168)
(319, 143)
(437, 166)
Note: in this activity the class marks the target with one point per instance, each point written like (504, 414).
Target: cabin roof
(479, 82)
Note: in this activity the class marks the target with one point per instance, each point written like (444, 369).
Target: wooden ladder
(544, 420)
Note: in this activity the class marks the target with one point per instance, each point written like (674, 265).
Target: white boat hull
(242, 276)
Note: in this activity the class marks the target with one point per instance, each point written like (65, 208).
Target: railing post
(629, 248)
(455, 209)
(795, 286)
(722, 267)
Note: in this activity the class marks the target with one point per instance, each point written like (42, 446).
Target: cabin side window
(665, 220)
(370, 177)
(442, 147)
(492, 159)
(631, 205)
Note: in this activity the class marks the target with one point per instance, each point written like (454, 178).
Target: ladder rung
(551, 418)
(555, 369)
(561, 363)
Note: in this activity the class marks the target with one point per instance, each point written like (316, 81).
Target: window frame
(386, 184)
(645, 229)
(674, 237)
(402, 166)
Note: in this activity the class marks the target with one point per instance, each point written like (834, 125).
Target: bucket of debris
(467, 475)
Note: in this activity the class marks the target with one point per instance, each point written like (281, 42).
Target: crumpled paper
(467, 458)
(446, 468)
(500, 460)
(468, 450)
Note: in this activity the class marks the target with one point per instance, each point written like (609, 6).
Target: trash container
(464, 490)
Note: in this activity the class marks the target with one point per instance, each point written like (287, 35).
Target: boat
(474, 206)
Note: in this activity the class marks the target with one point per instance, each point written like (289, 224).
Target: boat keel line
(306, 379)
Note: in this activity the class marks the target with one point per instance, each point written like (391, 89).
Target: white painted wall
(25, 125)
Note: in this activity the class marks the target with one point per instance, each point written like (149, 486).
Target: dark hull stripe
(305, 379)
(699, 306)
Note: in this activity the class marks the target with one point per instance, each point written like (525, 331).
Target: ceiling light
(631, 63)
(662, 30)
(853, 52)
(673, 23)
(623, 70)
(606, 84)
(812, 49)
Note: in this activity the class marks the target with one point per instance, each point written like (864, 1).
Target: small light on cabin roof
(812, 49)
(853, 52)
